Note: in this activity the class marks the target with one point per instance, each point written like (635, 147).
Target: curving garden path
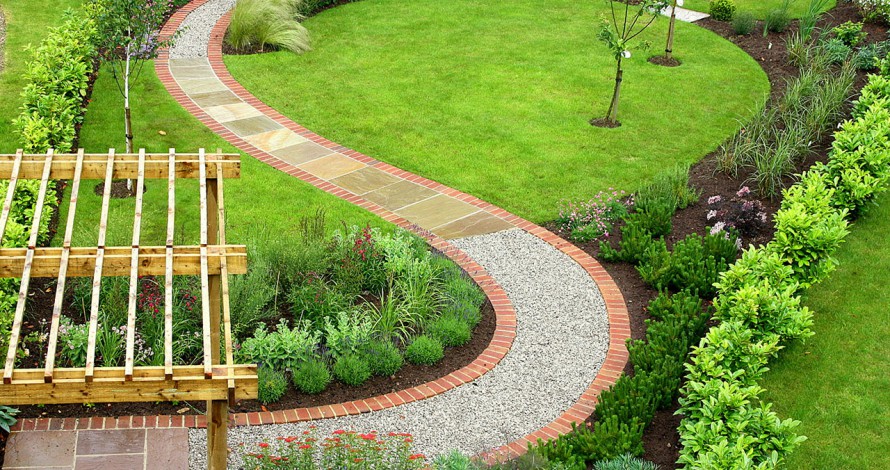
(561, 321)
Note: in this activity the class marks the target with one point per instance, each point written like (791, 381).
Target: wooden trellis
(217, 379)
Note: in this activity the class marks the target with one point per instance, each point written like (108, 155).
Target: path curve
(582, 330)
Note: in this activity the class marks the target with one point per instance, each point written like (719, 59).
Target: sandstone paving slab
(274, 140)
(436, 211)
(192, 73)
(332, 166)
(252, 126)
(232, 112)
(479, 223)
(108, 462)
(40, 449)
(365, 180)
(189, 62)
(201, 85)
(399, 195)
(164, 449)
(119, 441)
(215, 98)
(302, 152)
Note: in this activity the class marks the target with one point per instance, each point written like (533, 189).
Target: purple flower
(743, 192)
(714, 199)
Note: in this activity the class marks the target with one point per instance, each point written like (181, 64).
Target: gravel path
(195, 30)
(561, 342)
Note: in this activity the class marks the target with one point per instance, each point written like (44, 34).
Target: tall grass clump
(261, 25)
(810, 17)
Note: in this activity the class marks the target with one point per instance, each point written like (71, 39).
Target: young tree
(128, 36)
(618, 34)
(669, 47)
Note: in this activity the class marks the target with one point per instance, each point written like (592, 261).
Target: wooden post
(217, 446)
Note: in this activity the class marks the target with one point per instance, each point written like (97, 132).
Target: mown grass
(494, 98)
(27, 22)
(759, 8)
(263, 199)
(837, 382)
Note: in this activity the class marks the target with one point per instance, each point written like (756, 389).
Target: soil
(603, 122)
(661, 440)
(664, 62)
(119, 189)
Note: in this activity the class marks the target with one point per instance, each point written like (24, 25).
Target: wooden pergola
(218, 379)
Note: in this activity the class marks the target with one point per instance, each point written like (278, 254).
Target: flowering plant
(592, 219)
(342, 450)
(744, 216)
(874, 10)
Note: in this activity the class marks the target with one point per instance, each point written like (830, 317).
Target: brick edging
(505, 332)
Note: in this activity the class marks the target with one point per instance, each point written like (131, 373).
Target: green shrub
(349, 335)
(462, 297)
(352, 369)
(312, 377)
(693, 265)
(284, 349)
(259, 25)
(849, 33)
(383, 357)
(836, 51)
(272, 384)
(874, 10)
(625, 462)
(876, 90)
(450, 330)
(743, 23)
(869, 57)
(635, 240)
(425, 350)
(721, 10)
(776, 20)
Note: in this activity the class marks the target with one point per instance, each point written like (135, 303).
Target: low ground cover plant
(874, 10)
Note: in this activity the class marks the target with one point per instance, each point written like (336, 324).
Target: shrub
(352, 369)
(425, 350)
(450, 330)
(463, 298)
(383, 357)
(272, 384)
(317, 300)
(777, 20)
(874, 10)
(693, 265)
(836, 50)
(849, 33)
(349, 335)
(312, 377)
(869, 57)
(635, 240)
(625, 462)
(744, 216)
(258, 25)
(361, 267)
(284, 349)
(721, 10)
(743, 23)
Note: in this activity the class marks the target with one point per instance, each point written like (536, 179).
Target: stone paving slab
(124, 449)
(688, 16)
(302, 152)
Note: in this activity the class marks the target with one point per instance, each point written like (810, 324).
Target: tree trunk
(612, 113)
(669, 48)
(128, 122)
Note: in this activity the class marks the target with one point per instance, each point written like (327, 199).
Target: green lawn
(263, 199)
(494, 98)
(760, 8)
(26, 23)
(838, 382)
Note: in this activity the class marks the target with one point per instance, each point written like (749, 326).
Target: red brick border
(505, 332)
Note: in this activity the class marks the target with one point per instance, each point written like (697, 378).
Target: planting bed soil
(661, 439)
(410, 375)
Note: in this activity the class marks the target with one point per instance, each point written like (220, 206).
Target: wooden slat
(126, 166)
(109, 385)
(224, 277)
(168, 264)
(10, 193)
(116, 261)
(26, 271)
(63, 272)
(134, 268)
(97, 269)
(205, 282)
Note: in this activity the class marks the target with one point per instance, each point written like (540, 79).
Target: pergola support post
(217, 432)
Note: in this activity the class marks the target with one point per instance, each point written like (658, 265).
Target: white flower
(626, 54)
(712, 214)
(717, 228)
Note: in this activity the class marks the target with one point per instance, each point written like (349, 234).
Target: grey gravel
(194, 33)
(561, 342)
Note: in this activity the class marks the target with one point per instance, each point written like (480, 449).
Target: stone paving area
(127, 449)
(683, 14)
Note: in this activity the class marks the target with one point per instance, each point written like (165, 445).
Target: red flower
(416, 456)
(338, 432)
(263, 445)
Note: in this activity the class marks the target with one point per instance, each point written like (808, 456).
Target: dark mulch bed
(661, 440)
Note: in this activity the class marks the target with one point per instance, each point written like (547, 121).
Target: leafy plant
(349, 335)
(424, 350)
(312, 377)
(272, 385)
(625, 462)
(849, 33)
(258, 25)
(746, 217)
(836, 50)
(352, 369)
(450, 330)
(777, 20)
(284, 349)
(383, 358)
(7, 417)
(874, 10)
(743, 23)
(588, 220)
(721, 10)
(810, 17)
